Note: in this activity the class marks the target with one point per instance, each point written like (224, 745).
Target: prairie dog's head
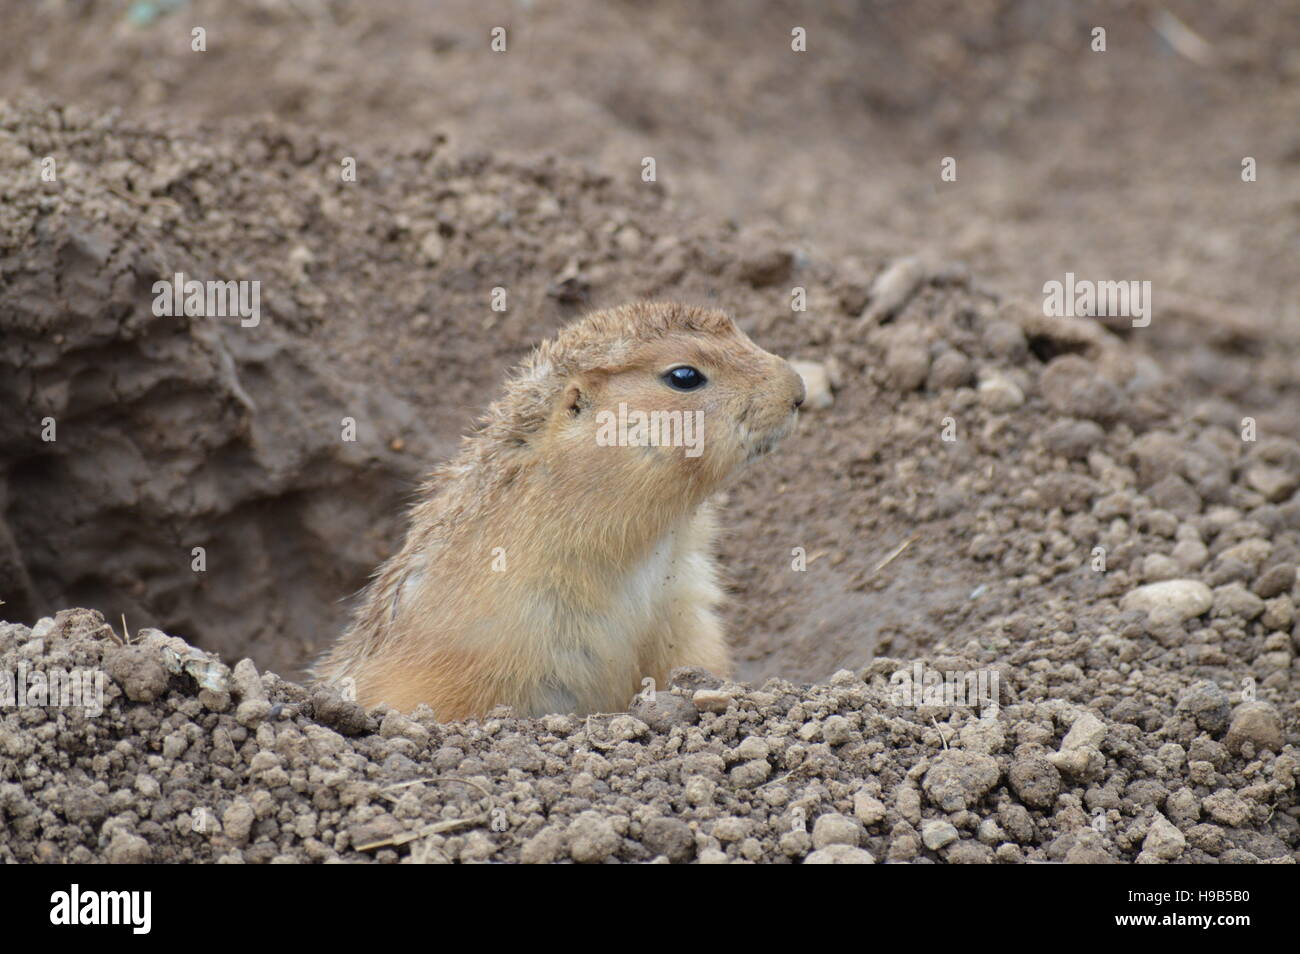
(661, 402)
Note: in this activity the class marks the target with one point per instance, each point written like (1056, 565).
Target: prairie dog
(561, 557)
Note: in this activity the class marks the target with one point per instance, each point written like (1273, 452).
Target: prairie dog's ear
(580, 393)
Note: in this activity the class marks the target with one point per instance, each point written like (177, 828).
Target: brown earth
(177, 433)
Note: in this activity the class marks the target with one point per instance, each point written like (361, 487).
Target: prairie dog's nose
(800, 389)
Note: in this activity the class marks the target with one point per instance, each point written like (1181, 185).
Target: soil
(1106, 516)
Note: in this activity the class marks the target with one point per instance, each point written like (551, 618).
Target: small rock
(138, 671)
(1227, 807)
(1257, 723)
(1275, 581)
(753, 747)
(711, 700)
(250, 712)
(836, 829)
(840, 855)
(1086, 730)
(591, 838)
(1156, 567)
(907, 366)
(247, 683)
(664, 711)
(1005, 339)
(837, 730)
(692, 678)
(381, 828)
(670, 837)
(1275, 483)
(1176, 495)
(1207, 704)
(544, 848)
(346, 717)
(997, 392)
(769, 266)
(817, 384)
(1234, 600)
(1180, 599)
(750, 774)
(1036, 781)
(1190, 554)
(1072, 438)
(958, 779)
(938, 834)
(1071, 386)
(868, 809)
(237, 821)
(951, 369)
(892, 289)
(128, 849)
(1163, 839)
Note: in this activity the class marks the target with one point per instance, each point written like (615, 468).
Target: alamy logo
(922, 686)
(196, 299)
(1089, 299)
(103, 907)
(651, 429)
(59, 688)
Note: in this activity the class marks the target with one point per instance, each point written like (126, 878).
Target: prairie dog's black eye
(685, 378)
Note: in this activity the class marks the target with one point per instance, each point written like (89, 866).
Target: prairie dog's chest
(594, 654)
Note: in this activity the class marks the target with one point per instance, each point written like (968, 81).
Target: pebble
(247, 683)
(1181, 599)
(938, 834)
(1275, 483)
(907, 366)
(868, 809)
(837, 730)
(817, 384)
(544, 848)
(670, 837)
(1276, 580)
(840, 855)
(711, 700)
(1071, 386)
(1157, 567)
(1207, 704)
(665, 710)
(1086, 730)
(951, 369)
(836, 829)
(894, 287)
(1227, 807)
(1234, 600)
(128, 849)
(1257, 723)
(1035, 780)
(1163, 839)
(138, 671)
(997, 392)
(1073, 439)
(591, 838)
(957, 779)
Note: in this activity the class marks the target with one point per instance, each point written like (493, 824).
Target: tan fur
(609, 575)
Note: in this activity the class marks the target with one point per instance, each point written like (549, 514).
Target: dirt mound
(190, 761)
